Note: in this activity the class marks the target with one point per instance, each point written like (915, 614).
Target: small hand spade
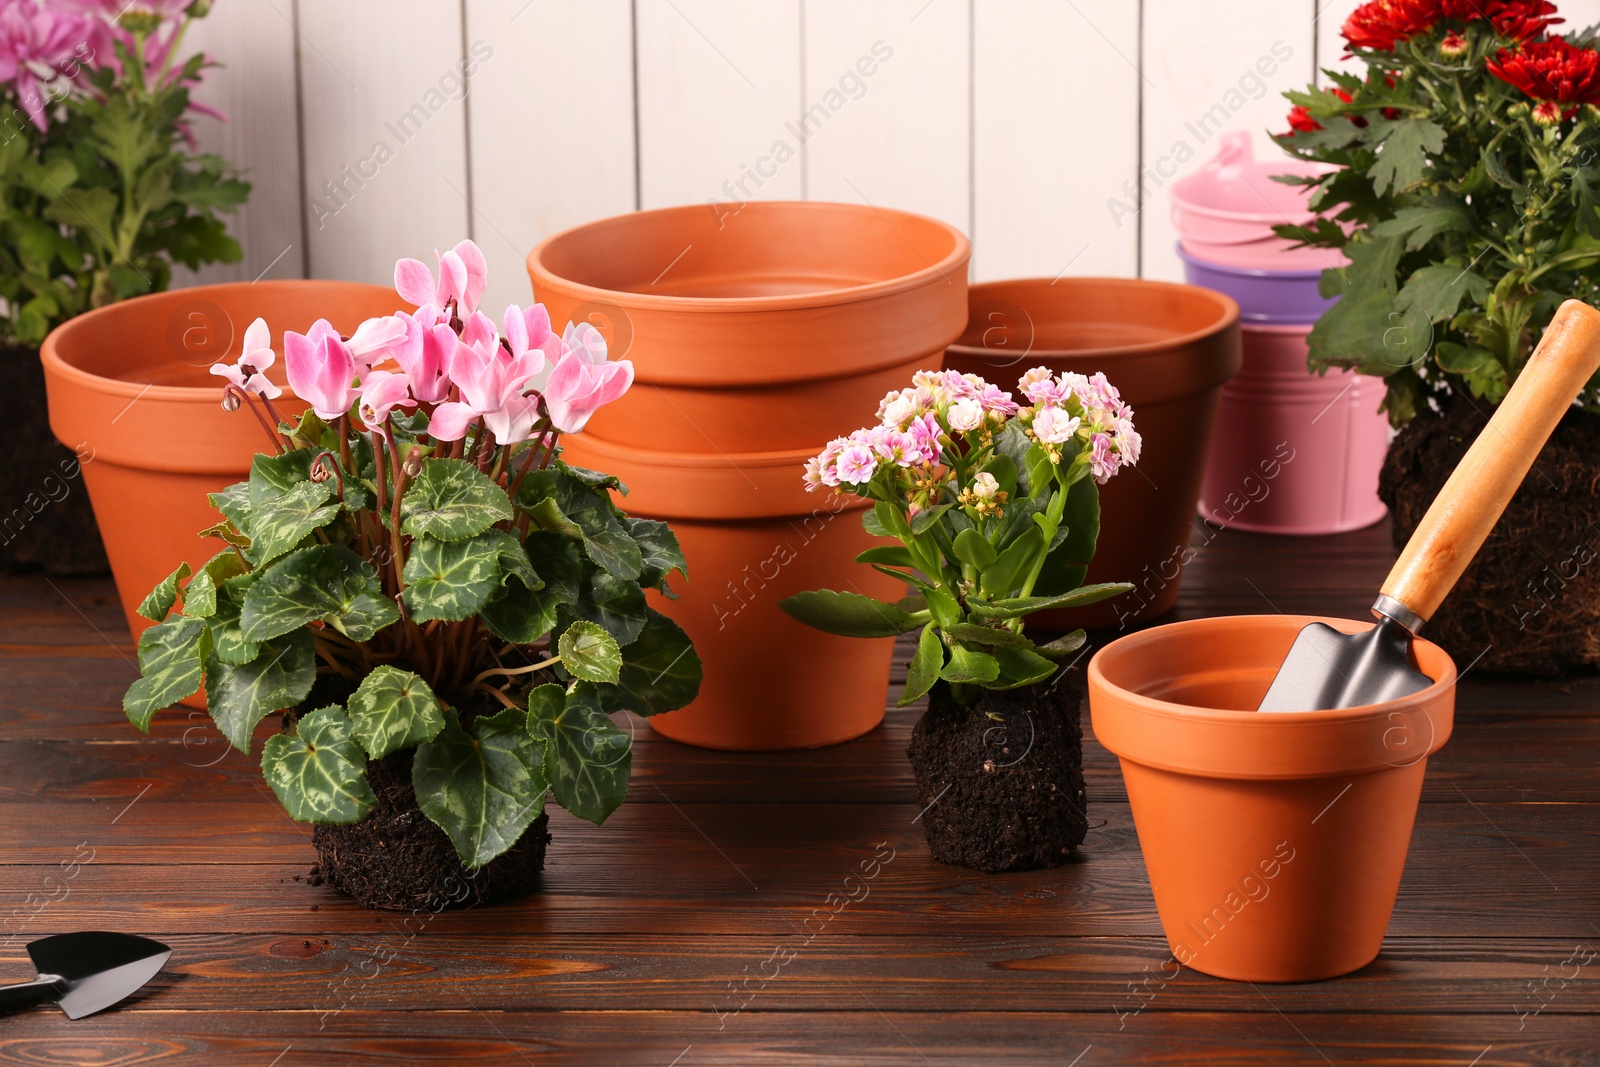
(86, 972)
(1328, 669)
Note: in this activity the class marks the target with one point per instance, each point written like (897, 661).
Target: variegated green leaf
(513, 558)
(393, 709)
(659, 550)
(450, 500)
(521, 615)
(280, 523)
(589, 652)
(450, 580)
(587, 758)
(272, 476)
(227, 638)
(279, 677)
(323, 582)
(661, 671)
(170, 657)
(482, 789)
(318, 772)
(200, 595)
(158, 602)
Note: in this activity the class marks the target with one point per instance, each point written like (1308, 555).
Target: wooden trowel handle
(1470, 503)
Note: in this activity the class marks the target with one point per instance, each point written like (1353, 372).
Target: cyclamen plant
(414, 551)
(997, 510)
(101, 186)
(1466, 173)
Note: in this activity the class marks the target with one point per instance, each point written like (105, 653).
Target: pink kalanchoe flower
(996, 400)
(321, 369)
(856, 463)
(813, 474)
(828, 462)
(965, 415)
(1129, 443)
(1054, 426)
(581, 382)
(1103, 458)
(381, 392)
(254, 358)
(924, 432)
(463, 276)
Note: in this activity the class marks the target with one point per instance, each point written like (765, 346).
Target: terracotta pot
(752, 535)
(1169, 349)
(1274, 840)
(129, 383)
(773, 328)
(1295, 452)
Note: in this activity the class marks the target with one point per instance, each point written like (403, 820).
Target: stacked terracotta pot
(1295, 452)
(757, 335)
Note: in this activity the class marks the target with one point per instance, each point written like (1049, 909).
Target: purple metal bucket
(1267, 297)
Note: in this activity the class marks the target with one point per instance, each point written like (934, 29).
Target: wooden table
(653, 935)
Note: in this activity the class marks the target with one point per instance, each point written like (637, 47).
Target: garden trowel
(1328, 669)
(86, 972)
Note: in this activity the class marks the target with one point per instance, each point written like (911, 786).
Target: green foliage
(393, 709)
(318, 772)
(1470, 221)
(586, 756)
(484, 788)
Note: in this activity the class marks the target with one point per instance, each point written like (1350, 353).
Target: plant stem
(512, 671)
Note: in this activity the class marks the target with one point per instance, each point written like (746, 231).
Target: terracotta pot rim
(958, 255)
(1260, 720)
(56, 364)
(794, 457)
(1228, 307)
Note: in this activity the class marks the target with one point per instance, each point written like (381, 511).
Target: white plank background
(1027, 123)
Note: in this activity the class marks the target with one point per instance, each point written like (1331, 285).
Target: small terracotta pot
(130, 384)
(1295, 452)
(1274, 840)
(752, 535)
(774, 327)
(1169, 349)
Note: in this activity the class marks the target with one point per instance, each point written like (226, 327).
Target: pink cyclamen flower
(254, 358)
(492, 385)
(582, 381)
(463, 276)
(1054, 426)
(381, 392)
(856, 463)
(377, 338)
(321, 369)
(424, 355)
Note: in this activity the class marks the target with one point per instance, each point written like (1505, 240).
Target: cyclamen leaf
(587, 758)
(158, 602)
(482, 789)
(589, 653)
(659, 549)
(450, 499)
(170, 658)
(519, 614)
(227, 637)
(393, 709)
(280, 523)
(329, 583)
(614, 603)
(848, 614)
(318, 774)
(450, 580)
(200, 596)
(272, 476)
(661, 671)
(280, 676)
(513, 558)
(925, 666)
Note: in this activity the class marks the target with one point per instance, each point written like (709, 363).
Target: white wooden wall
(1027, 123)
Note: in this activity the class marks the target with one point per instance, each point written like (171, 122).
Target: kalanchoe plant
(1467, 176)
(997, 511)
(416, 543)
(101, 187)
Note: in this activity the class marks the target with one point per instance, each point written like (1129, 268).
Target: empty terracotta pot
(774, 327)
(1169, 348)
(752, 535)
(1295, 452)
(130, 383)
(1274, 840)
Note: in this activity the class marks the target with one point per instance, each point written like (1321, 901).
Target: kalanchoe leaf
(450, 500)
(589, 653)
(874, 525)
(1020, 667)
(327, 583)
(483, 789)
(279, 677)
(158, 603)
(972, 547)
(848, 614)
(925, 520)
(661, 671)
(888, 556)
(393, 709)
(1064, 645)
(278, 524)
(987, 636)
(200, 596)
(659, 550)
(926, 663)
(451, 580)
(968, 666)
(587, 758)
(1007, 572)
(1016, 607)
(318, 773)
(170, 658)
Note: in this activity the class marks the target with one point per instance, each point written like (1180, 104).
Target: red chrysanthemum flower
(1519, 20)
(1300, 120)
(1551, 70)
(1381, 23)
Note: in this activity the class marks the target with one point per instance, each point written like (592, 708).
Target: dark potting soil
(1001, 782)
(45, 519)
(1529, 604)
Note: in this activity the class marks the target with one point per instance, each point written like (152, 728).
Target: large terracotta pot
(129, 384)
(1169, 349)
(752, 535)
(775, 327)
(1274, 840)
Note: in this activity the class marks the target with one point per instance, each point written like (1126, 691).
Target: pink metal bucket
(1294, 452)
